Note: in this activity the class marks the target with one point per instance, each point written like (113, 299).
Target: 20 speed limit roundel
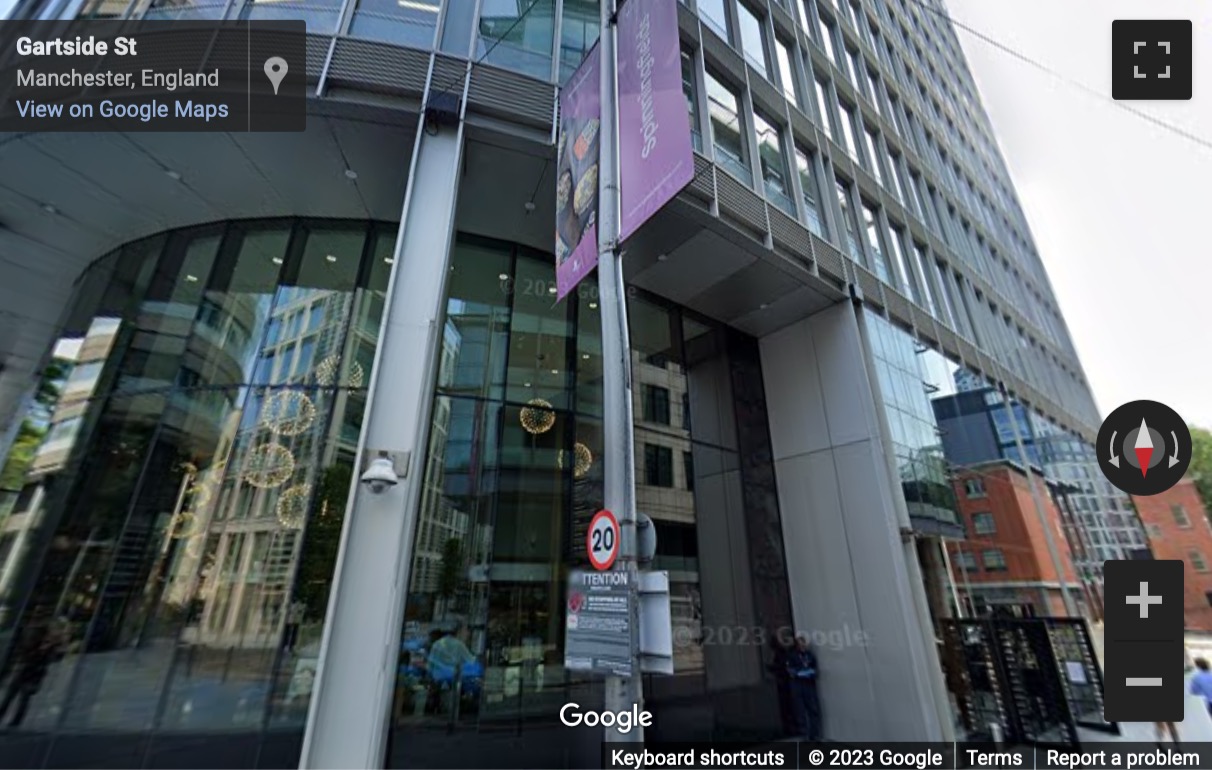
(602, 540)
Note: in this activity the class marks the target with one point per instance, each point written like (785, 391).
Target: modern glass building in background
(249, 319)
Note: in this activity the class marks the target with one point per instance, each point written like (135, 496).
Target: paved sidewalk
(1195, 727)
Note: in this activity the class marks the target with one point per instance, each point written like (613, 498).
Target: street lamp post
(622, 693)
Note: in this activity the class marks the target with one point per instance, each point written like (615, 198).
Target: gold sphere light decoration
(193, 546)
(268, 466)
(288, 413)
(292, 506)
(582, 460)
(184, 525)
(537, 416)
(328, 370)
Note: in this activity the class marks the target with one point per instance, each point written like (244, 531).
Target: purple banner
(577, 175)
(655, 157)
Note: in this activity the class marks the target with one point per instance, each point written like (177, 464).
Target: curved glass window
(322, 16)
(517, 35)
(169, 579)
(403, 22)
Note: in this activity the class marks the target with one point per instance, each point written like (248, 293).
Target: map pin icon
(275, 70)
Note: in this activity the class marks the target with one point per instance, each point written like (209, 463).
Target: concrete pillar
(850, 573)
(349, 715)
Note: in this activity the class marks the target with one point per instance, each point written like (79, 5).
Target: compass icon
(1144, 448)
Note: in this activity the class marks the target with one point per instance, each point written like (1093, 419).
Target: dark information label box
(153, 76)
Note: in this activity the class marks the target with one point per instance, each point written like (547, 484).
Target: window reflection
(322, 16)
(579, 28)
(692, 99)
(810, 191)
(180, 9)
(773, 163)
(905, 385)
(402, 22)
(182, 545)
(714, 13)
(517, 35)
(849, 222)
(510, 486)
(727, 128)
(752, 38)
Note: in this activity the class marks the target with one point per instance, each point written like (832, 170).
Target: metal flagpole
(622, 693)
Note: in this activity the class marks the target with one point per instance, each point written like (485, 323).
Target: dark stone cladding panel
(763, 522)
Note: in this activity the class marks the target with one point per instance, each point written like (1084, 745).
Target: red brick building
(1176, 524)
(1005, 562)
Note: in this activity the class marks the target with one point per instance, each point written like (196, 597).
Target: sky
(1120, 209)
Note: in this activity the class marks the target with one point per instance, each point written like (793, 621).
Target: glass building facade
(175, 539)
(513, 476)
(169, 551)
(182, 519)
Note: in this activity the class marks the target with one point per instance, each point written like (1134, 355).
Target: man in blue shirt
(801, 668)
(1201, 683)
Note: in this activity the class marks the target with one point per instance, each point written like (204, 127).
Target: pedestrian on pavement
(782, 681)
(44, 647)
(1201, 683)
(801, 668)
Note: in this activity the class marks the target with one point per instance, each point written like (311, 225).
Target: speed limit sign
(602, 540)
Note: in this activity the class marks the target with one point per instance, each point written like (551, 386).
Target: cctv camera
(380, 475)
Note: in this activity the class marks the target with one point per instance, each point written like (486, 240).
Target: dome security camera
(381, 475)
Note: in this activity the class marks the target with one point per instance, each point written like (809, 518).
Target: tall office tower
(279, 309)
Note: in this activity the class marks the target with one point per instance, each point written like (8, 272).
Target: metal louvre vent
(499, 92)
(741, 204)
(448, 74)
(898, 306)
(872, 287)
(229, 49)
(790, 235)
(703, 184)
(829, 261)
(379, 67)
(317, 53)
